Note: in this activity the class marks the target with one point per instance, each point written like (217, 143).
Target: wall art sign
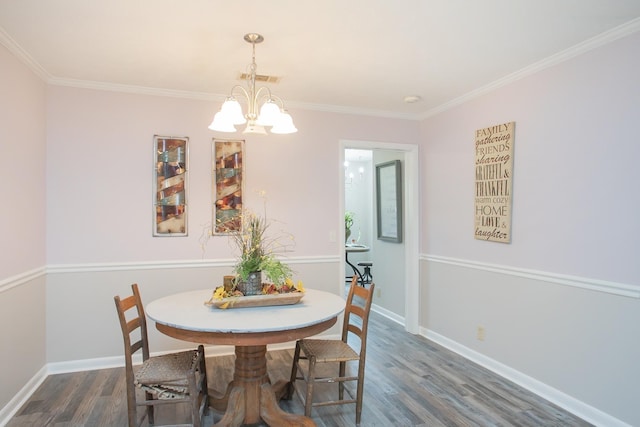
(493, 188)
(389, 201)
(228, 161)
(170, 157)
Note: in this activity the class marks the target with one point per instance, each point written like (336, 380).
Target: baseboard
(25, 393)
(388, 314)
(11, 408)
(566, 402)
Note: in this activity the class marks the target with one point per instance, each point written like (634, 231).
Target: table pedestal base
(250, 397)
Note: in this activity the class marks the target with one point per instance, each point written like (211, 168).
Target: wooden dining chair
(166, 379)
(319, 351)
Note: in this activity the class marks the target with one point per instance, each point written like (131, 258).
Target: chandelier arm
(278, 99)
(244, 91)
(264, 88)
(272, 112)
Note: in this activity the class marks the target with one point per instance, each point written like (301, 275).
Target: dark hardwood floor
(410, 381)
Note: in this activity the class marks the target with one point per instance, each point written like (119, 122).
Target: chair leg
(195, 398)
(294, 372)
(203, 384)
(310, 381)
(150, 408)
(132, 412)
(359, 392)
(341, 383)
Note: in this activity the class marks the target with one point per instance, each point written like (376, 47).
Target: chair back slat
(128, 307)
(136, 346)
(359, 309)
(133, 324)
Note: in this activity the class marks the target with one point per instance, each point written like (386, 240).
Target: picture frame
(228, 186)
(389, 201)
(170, 179)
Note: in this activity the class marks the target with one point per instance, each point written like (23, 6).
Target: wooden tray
(256, 300)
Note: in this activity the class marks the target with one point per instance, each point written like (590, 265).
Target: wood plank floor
(410, 381)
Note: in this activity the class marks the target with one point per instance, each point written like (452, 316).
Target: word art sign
(494, 171)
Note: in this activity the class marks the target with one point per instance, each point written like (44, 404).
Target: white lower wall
(22, 328)
(81, 315)
(548, 328)
(549, 333)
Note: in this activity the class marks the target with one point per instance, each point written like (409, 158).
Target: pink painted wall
(99, 175)
(575, 213)
(22, 241)
(575, 185)
(22, 150)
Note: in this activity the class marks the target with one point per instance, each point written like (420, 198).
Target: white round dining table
(250, 397)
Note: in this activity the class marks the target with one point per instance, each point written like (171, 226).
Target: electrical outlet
(379, 293)
(480, 333)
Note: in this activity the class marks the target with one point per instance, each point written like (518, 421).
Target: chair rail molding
(22, 278)
(620, 289)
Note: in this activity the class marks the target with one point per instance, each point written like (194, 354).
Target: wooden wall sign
(493, 189)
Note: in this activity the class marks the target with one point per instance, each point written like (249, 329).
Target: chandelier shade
(263, 108)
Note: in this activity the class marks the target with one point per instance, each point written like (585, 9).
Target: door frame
(411, 221)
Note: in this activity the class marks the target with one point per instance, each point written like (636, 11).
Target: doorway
(395, 265)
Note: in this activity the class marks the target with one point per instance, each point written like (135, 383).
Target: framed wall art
(228, 168)
(389, 201)
(170, 158)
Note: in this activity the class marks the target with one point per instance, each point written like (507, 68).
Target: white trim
(22, 278)
(12, 407)
(388, 314)
(22, 55)
(571, 404)
(118, 361)
(173, 264)
(153, 91)
(609, 36)
(585, 46)
(411, 221)
(620, 289)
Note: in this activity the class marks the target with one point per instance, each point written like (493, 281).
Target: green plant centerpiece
(256, 254)
(257, 261)
(348, 223)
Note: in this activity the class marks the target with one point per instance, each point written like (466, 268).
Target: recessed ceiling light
(410, 99)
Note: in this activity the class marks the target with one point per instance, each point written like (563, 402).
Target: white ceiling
(361, 56)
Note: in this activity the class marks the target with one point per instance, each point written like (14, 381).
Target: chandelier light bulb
(232, 110)
(284, 124)
(221, 124)
(269, 113)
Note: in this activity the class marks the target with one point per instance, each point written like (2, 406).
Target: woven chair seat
(328, 350)
(174, 378)
(166, 375)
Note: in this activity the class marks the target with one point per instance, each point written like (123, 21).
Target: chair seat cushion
(166, 375)
(328, 350)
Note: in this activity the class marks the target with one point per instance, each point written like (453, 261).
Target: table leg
(250, 397)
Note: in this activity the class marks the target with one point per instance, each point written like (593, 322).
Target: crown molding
(7, 41)
(585, 46)
(609, 36)
(139, 90)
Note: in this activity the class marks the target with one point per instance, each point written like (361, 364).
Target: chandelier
(270, 114)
